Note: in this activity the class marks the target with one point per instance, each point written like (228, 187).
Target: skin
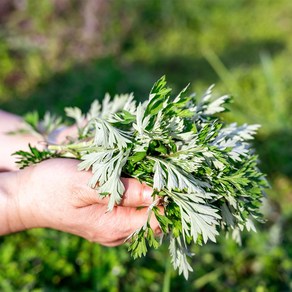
(53, 194)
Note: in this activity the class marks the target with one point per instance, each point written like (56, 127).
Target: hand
(55, 194)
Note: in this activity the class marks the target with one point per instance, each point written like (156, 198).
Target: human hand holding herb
(203, 171)
(54, 194)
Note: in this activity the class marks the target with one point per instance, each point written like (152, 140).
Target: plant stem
(167, 276)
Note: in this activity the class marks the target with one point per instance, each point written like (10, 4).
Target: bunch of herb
(202, 170)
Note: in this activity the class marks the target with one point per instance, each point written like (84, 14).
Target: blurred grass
(59, 53)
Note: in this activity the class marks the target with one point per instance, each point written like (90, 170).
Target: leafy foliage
(202, 170)
(27, 158)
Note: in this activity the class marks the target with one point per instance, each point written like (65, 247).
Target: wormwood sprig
(203, 171)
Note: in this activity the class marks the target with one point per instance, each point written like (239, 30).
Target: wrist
(17, 212)
(10, 220)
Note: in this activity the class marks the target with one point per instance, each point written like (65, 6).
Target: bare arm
(11, 143)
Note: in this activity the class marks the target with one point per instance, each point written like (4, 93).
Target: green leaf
(151, 238)
(33, 156)
(163, 221)
(32, 118)
(137, 156)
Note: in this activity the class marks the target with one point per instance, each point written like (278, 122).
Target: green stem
(74, 149)
(167, 276)
(79, 146)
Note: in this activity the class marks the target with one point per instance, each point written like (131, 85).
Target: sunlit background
(56, 53)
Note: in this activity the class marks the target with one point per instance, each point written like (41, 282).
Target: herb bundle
(203, 171)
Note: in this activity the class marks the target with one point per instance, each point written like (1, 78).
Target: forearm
(10, 220)
(12, 143)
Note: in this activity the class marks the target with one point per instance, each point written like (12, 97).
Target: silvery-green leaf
(118, 103)
(178, 257)
(235, 234)
(108, 136)
(159, 177)
(141, 120)
(250, 225)
(216, 106)
(106, 168)
(94, 111)
(130, 104)
(202, 218)
(76, 114)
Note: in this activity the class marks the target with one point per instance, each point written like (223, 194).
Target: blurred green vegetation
(55, 53)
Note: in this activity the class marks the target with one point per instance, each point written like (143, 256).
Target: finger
(136, 194)
(113, 228)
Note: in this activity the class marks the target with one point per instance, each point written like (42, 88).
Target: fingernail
(147, 194)
(158, 231)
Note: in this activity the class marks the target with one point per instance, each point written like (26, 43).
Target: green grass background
(56, 53)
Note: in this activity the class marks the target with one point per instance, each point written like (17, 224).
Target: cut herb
(203, 171)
